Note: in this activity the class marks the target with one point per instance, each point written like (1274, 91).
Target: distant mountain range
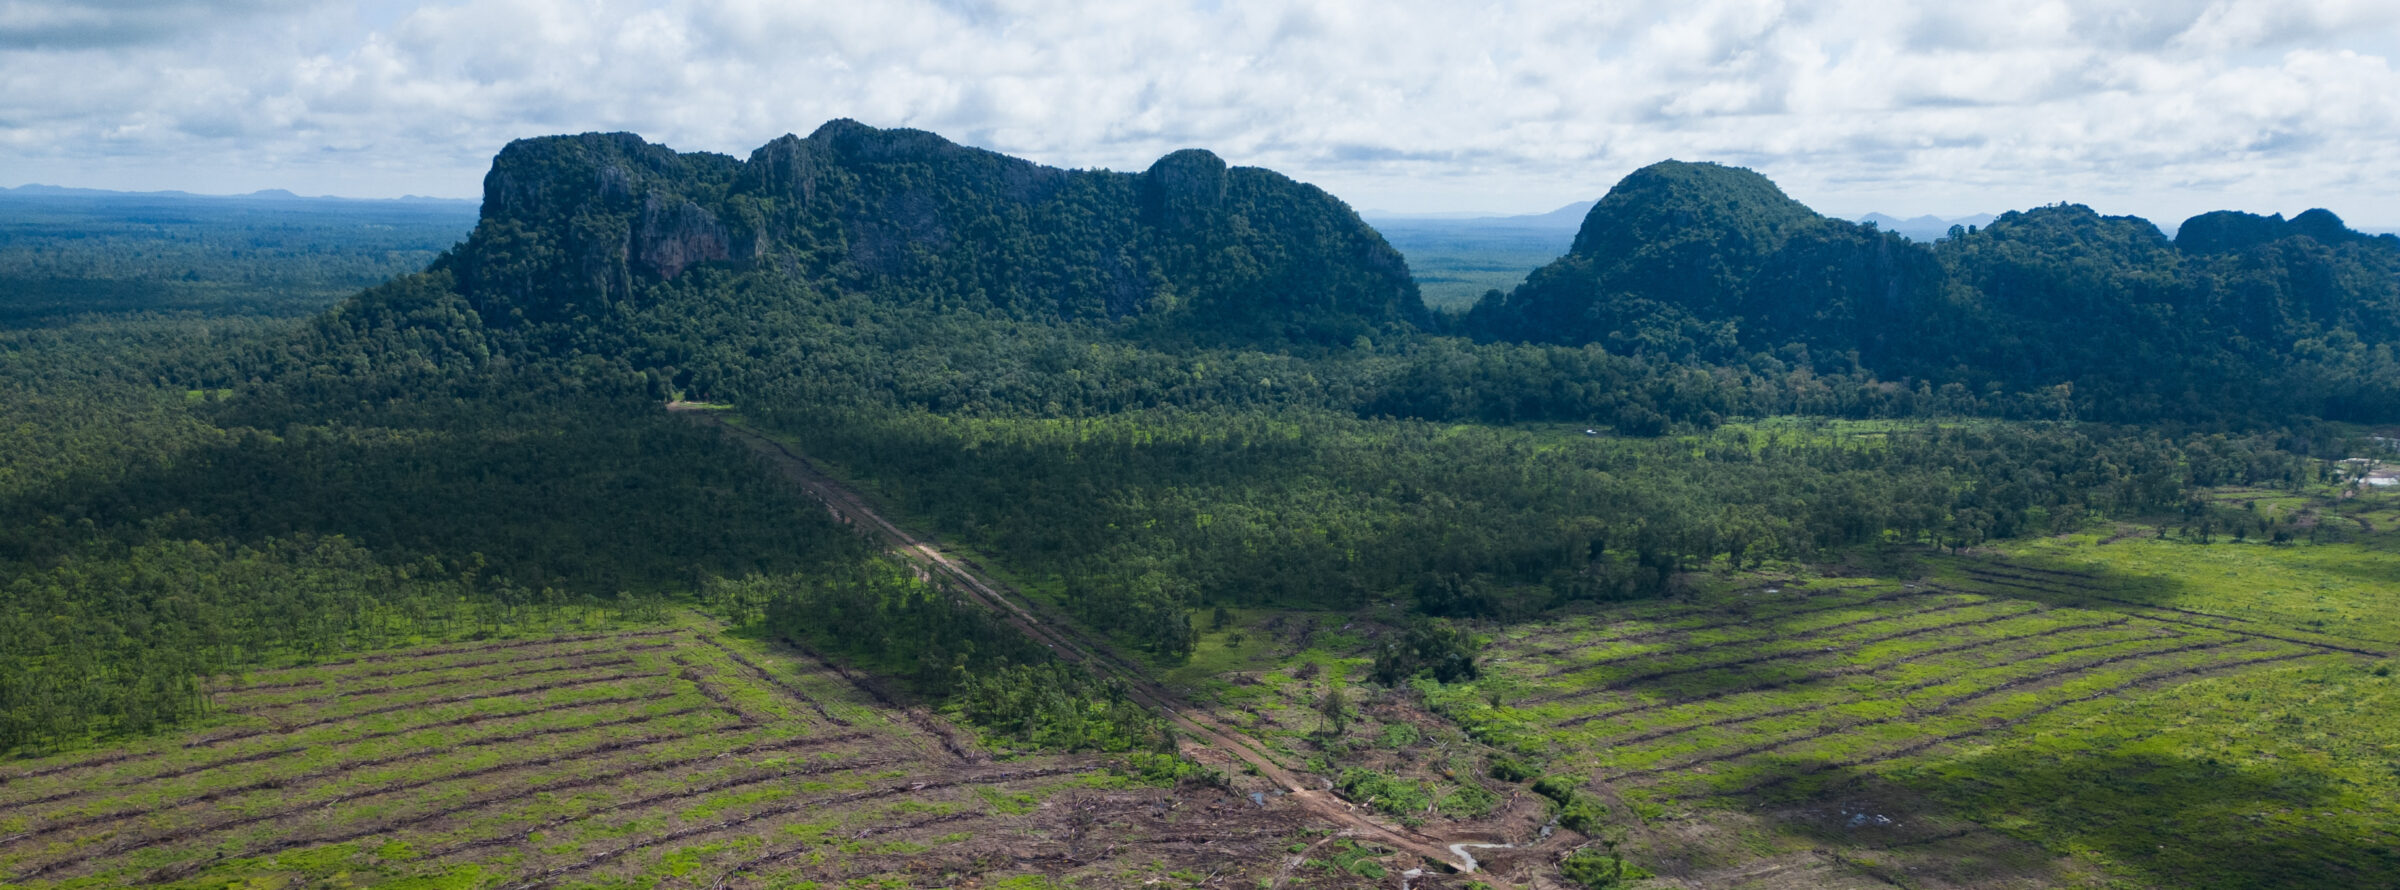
(1569, 218)
(38, 190)
(1924, 228)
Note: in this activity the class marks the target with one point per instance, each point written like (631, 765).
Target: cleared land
(2005, 720)
(670, 757)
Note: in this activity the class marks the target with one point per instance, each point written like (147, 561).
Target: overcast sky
(2156, 107)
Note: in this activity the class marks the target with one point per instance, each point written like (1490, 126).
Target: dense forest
(67, 255)
(1148, 394)
(2242, 319)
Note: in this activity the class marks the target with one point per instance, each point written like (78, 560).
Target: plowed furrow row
(924, 722)
(483, 647)
(217, 794)
(2038, 570)
(1637, 679)
(1918, 686)
(2055, 588)
(102, 760)
(685, 672)
(176, 872)
(89, 788)
(113, 759)
(1824, 675)
(1812, 633)
(684, 793)
(2252, 634)
(458, 666)
(171, 836)
(467, 720)
(1922, 744)
(781, 855)
(2071, 583)
(1744, 619)
(431, 684)
(551, 876)
(289, 728)
(790, 691)
(2060, 673)
(1887, 692)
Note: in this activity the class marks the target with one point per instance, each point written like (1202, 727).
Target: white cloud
(2163, 108)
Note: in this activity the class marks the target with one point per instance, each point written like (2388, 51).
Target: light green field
(672, 756)
(2140, 713)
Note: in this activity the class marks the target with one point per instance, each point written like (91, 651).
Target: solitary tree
(1335, 708)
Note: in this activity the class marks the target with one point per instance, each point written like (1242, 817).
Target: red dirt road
(1073, 645)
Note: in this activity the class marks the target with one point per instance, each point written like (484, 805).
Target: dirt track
(1071, 644)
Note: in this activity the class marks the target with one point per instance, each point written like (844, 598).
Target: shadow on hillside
(2061, 583)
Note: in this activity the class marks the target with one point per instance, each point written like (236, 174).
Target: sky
(2161, 108)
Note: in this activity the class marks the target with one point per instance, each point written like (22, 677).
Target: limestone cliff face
(580, 226)
(1184, 191)
(672, 234)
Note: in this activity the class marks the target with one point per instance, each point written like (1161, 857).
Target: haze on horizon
(2161, 108)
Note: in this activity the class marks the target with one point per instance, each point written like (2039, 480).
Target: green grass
(605, 779)
(2349, 589)
(2143, 713)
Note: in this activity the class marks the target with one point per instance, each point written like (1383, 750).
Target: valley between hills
(877, 511)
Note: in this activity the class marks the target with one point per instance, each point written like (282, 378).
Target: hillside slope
(577, 230)
(2241, 316)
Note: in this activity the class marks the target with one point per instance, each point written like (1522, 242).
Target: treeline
(880, 615)
(1135, 520)
(151, 537)
(65, 256)
(121, 641)
(697, 340)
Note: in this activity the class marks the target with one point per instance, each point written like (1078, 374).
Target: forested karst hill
(577, 229)
(2241, 315)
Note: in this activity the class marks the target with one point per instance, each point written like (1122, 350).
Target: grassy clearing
(676, 755)
(2067, 712)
